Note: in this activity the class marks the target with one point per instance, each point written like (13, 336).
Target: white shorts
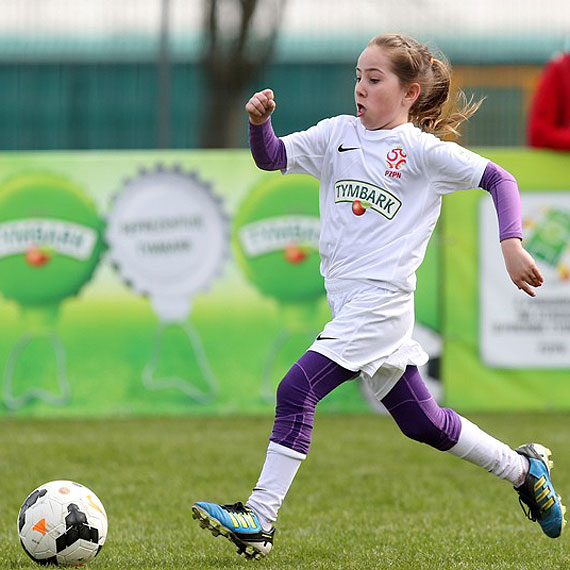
(371, 332)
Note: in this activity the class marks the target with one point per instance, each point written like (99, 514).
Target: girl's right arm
(267, 150)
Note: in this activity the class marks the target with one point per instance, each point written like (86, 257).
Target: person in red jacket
(549, 121)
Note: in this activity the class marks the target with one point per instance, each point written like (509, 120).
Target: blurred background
(155, 285)
(138, 241)
(143, 74)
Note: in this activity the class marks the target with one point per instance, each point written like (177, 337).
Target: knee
(285, 392)
(293, 391)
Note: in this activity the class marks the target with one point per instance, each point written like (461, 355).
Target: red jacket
(549, 121)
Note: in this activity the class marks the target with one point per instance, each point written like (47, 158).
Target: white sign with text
(516, 330)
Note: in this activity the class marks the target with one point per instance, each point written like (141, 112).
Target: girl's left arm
(521, 266)
(519, 263)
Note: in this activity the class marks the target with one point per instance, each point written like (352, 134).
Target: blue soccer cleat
(537, 493)
(237, 523)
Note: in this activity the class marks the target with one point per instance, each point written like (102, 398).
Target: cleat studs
(217, 528)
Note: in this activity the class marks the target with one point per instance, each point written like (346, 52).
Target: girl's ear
(412, 93)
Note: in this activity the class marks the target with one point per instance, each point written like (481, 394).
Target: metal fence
(78, 74)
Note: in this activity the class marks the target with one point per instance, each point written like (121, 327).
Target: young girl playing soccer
(382, 176)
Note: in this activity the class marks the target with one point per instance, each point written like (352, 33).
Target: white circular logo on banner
(168, 238)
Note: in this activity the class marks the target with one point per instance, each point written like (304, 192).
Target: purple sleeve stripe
(267, 150)
(505, 193)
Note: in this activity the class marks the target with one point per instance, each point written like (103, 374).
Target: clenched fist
(260, 106)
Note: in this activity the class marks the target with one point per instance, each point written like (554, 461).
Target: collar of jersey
(384, 133)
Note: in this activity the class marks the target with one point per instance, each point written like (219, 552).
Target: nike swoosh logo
(321, 337)
(344, 149)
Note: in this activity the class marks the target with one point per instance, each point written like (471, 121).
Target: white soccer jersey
(380, 195)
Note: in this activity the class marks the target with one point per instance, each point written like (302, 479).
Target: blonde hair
(413, 62)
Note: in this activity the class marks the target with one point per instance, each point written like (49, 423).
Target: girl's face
(381, 102)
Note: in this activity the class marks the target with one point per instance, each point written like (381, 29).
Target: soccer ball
(62, 523)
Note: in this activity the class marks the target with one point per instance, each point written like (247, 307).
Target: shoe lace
(235, 507)
(527, 510)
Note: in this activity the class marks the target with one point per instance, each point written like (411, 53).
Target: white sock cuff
(480, 448)
(282, 450)
(467, 438)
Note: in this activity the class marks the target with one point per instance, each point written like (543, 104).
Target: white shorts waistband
(341, 285)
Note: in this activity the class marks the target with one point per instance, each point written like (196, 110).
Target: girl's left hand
(521, 266)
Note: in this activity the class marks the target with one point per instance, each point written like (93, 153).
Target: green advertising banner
(162, 283)
(504, 350)
(187, 282)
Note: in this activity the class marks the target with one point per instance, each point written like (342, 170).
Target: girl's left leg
(528, 467)
(420, 417)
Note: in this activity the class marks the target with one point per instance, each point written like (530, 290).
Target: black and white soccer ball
(62, 523)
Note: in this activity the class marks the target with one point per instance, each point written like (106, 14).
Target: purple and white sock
(308, 381)
(418, 415)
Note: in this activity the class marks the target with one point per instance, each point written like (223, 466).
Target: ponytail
(433, 111)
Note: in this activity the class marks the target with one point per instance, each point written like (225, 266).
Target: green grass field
(366, 497)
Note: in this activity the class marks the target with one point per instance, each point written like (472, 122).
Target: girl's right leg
(250, 526)
(308, 381)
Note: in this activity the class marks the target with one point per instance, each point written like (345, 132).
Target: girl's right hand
(260, 106)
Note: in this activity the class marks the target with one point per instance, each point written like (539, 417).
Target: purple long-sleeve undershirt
(505, 193)
(267, 150)
(269, 153)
